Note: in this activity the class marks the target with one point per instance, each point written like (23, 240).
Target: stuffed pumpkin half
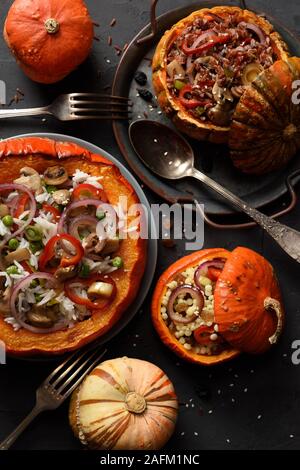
(68, 267)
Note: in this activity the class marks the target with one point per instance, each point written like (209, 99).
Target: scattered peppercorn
(140, 78)
(145, 94)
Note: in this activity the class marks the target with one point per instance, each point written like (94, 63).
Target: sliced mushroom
(4, 210)
(221, 94)
(92, 244)
(41, 317)
(56, 175)
(61, 197)
(102, 289)
(220, 115)
(21, 254)
(30, 178)
(111, 246)
(62, 274)
(250, 72)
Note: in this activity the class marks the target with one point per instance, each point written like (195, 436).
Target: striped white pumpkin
(126, 404)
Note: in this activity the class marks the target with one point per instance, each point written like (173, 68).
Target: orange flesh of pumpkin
(40, 154)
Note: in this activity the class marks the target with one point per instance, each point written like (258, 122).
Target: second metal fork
(57, 388)
(78, 106)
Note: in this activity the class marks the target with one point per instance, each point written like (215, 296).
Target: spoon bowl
(163, 150)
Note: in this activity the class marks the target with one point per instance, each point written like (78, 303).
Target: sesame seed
(259, 416)
(231, 385)
(210, 412)
(245, 390)
(291, 436)
(183, 433)
(107, 61)
(219, 392)
(192, 405)
(134, 345)
(228, 441)
(166, 153)
(187, 405)
(196, 434)
(154, 140)
(233, 400)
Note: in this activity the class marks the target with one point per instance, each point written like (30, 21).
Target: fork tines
(66, 377)
(97, 106)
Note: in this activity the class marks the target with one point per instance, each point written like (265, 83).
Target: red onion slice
(80, 221)
(202, 37)
(22, 284)
(217, 263)
(195, 293)
(256, 29)
(31, 215)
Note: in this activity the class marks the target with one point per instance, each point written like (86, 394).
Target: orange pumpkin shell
(265, 131)
(49, 38)
(247, 304)
(39, 154)
(183, 120)
(124, 404)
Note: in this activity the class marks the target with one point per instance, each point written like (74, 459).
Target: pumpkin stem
(135, 403)
(52, 25)
(273, 304)
(290, 131)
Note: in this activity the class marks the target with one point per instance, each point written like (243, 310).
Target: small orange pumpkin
(248, 312)
(265, 131)
(124, 404)
(49, 38)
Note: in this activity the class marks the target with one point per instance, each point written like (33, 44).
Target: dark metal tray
(260, 192)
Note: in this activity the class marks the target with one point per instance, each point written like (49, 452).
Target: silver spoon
(170, 156)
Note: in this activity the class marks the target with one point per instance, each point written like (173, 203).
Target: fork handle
(9, 113)
(8, 442)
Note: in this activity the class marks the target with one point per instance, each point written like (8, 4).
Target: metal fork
(78, 106)
(57, 388)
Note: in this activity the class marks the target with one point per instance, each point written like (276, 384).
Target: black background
(228, 399)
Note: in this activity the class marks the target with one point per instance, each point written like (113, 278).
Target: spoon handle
(286, 237)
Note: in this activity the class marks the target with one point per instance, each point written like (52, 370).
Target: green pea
(13, 244)
(117, 262)
(84, 271)
(12, 270)
(8, 220)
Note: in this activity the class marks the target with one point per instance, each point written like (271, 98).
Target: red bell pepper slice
(192, 102)
(49, 253)
(213, 273)
(86, 283)
(53, 211)
(211, 42)
(203, 333)
(88, 191)
(21, 205)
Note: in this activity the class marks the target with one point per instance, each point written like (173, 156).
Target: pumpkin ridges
(246, 327)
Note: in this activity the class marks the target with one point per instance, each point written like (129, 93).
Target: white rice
(80, 177)
(101, 267)
(48, 228)
(3, 229)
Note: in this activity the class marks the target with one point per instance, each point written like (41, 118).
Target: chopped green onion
(84, 271)
(200, 110)
(33, 233)
(13, 244)
(100, 215)
(35, 247)
(8, 220)
(117, 262)
(12, 270)
(38, 298)
(51, 189)
(33, 284)
(178, 84)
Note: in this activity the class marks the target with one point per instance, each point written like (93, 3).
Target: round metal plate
(212, 159)
(152, 241)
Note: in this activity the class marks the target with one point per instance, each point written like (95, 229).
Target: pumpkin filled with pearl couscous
(214, 304)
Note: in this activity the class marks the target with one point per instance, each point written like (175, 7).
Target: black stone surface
(251, 403)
